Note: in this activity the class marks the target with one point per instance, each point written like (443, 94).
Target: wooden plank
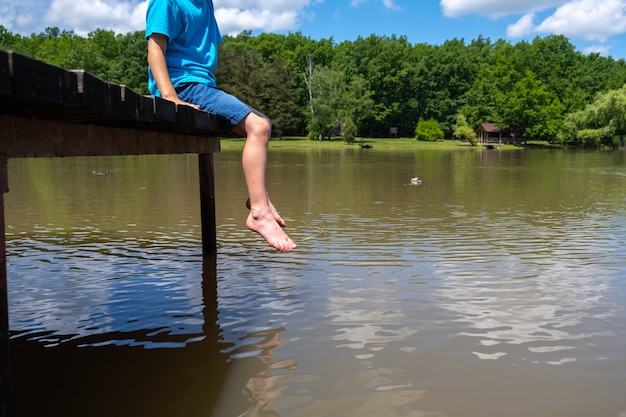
(207, 121)
(130, 102)
(185, 115)
(98, 95)
(145, 109)
(31, 88)
(36, 80)
(29, 137)
(164, 110)
(5, 81)
(36, 87)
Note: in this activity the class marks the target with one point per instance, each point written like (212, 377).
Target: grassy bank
(378, 143)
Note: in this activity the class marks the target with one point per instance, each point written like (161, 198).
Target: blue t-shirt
(193, 37)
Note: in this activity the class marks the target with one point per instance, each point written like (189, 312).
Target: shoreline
(376, 143)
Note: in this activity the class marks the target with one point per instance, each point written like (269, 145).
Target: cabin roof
(489, 128)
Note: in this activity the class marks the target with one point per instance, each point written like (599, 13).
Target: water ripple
(138, 286)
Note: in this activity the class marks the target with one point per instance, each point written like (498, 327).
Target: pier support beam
(207, 203)
(5, 362)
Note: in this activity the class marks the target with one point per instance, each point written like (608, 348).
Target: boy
(182, 54)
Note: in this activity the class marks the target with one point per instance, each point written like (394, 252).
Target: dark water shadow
(92, 376)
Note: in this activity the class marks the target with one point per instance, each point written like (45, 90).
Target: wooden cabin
(489, 133)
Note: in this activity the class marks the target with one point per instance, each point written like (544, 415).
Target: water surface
(493, 288)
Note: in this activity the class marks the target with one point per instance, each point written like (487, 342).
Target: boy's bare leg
(263, 218)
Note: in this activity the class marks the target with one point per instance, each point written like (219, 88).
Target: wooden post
(207, 203)
(5, 362)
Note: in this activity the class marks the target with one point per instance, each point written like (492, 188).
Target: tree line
(544, 88)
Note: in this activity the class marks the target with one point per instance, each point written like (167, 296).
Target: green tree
(600, 124)
(451, 71)
(52, 45)
(281, 89)
(554, 60)
(482, 100)
(356, 102)
(130, 66)
(387, 67)
(535, 109)
(326, 87)
(266, 86)
(334, 98)
(9, 40)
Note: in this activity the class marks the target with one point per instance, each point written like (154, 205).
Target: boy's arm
(157, 45)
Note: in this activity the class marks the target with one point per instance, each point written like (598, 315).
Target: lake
(495, 287)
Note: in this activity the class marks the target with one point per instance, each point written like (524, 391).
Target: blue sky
(591, 25)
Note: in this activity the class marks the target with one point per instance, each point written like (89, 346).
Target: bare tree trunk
(308, 78)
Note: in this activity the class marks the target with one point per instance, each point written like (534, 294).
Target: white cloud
(391, 4)
(597, 49)
(455, 8)
(122, 16)
(522, 27)
(233, 21)
(235, 16)
(22, 17)
(594, 20)
(589, 20)
(388, 4)
(83, 16)
(272, 5)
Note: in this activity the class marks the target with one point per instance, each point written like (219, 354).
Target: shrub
(428, 130)
(462, 131)
(348, 130)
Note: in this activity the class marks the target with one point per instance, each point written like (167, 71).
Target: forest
(544, 89)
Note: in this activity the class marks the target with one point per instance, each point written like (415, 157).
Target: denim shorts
(228, 108)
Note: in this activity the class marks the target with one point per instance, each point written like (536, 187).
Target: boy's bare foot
(275, 213)
(266, 223)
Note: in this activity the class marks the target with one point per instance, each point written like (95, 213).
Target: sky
(591, 25)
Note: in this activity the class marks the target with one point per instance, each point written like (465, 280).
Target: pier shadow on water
(113, 309)
(96, 376)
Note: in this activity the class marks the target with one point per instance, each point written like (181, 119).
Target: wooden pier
(46, 111)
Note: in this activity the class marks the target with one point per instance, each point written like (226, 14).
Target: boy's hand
(180, 102)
